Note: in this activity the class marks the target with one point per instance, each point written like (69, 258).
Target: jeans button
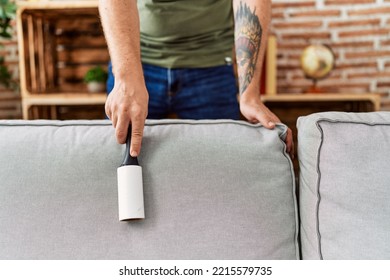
(228, 60)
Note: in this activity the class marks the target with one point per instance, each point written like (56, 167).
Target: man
(186, 47)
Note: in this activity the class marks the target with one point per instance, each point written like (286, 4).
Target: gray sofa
(213, 190)
(344, 188)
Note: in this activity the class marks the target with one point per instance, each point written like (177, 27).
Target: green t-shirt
(186, 33)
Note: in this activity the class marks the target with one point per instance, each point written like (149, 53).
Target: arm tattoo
(247, 40)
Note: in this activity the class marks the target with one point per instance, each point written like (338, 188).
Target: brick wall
(358, 32)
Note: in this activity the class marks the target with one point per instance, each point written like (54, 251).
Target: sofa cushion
(213, 190)
(344, 185)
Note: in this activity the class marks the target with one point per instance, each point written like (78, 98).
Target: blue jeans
(190, 93)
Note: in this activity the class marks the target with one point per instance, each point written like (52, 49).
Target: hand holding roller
(130, 187)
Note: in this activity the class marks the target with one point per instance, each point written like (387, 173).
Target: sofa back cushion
(212, 189)
(345, 185)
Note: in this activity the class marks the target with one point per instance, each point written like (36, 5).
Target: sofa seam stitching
(318, 189)
(296, 231)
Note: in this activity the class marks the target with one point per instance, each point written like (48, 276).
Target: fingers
(267, 120)
(255, 111)
(114, 119)
(107, 108)
(137, 128)
(269, 124)
(128, 104)
(121, 129)
(122, 123)
(290, 143)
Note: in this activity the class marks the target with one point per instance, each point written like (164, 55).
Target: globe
(317, 61)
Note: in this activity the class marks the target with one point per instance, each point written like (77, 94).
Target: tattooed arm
(251, 19)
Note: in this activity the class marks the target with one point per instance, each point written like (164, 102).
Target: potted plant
(96, 79)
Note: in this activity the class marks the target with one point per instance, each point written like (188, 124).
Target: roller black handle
(129, 160)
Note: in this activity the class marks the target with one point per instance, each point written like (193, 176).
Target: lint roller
(130, 187)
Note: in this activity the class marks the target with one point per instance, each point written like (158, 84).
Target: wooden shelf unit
(58, 42)
(290, 106)
(369, 99)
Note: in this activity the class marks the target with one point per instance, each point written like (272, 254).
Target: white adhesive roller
(130, 193)
(130, 187)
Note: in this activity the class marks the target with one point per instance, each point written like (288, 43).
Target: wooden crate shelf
(59, 42)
